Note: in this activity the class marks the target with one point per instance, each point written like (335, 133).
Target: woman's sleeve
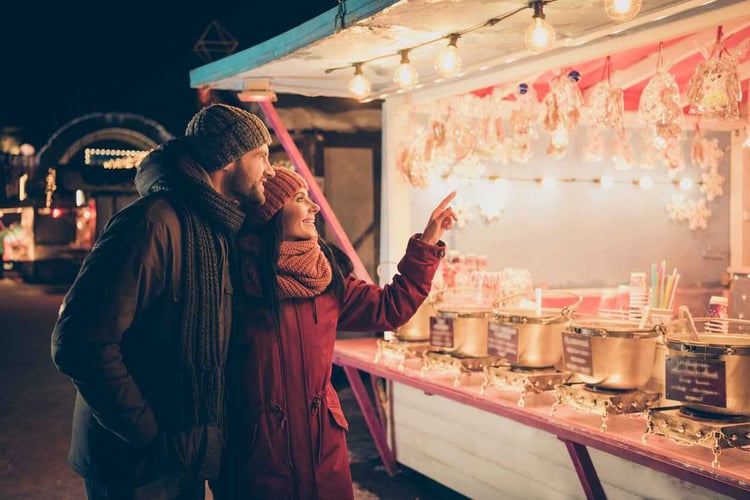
(367, 306)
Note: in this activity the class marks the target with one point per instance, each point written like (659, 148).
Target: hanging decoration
(622, 152)
(660, 108)
(523, 121)
(678, 207)
(562, 111)
(649, 155)
(491, 138)
(410, 155)
(605, 101)
(673, 157)
(594, 149)
(714, 90)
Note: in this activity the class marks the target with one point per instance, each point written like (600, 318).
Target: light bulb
(548, 183)
(540, 35)
(746, 144)
(405, 76)
(646, 182)
(448, 62)
(686, 183)
(359, 86)
(622, 10)
(607, 182)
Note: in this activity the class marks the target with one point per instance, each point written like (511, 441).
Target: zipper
(304, 385)
(286, 404)
(316, 404)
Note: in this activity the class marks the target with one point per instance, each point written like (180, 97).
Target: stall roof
(296, 61)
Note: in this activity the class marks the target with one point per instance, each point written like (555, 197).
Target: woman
(286, 437)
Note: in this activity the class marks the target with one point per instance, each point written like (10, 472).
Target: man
(144, 329)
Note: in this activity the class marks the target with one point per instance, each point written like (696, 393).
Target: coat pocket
(199, 450)
(334, 409)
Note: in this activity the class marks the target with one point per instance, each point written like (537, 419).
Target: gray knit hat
(219, 134)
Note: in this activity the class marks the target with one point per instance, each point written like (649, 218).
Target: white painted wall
(485, 456)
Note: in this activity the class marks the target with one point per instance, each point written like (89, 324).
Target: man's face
(246, 175)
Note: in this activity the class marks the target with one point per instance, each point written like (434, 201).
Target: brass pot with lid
(709, 372)
(459, 322)
(610, 354)
(528, 335)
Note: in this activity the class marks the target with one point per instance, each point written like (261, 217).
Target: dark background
(61, 60)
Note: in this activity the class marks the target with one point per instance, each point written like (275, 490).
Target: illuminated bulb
(359, 86)
(548, 183)
(686, 183)
(80, 198)
(622, 10)
(540, 35)
(448, 62)
(405, 76)
(646, 182)
(607, 182)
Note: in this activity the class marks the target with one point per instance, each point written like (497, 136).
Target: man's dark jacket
(118, 338)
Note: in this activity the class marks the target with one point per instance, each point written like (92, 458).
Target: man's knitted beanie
(279, 189)
(219, 134)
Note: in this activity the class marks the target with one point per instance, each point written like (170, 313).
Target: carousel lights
(622, 10)
(405, 76)
(359, 86)
(540, 35)
(448, 62)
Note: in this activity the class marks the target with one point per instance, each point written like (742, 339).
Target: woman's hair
(271, 235)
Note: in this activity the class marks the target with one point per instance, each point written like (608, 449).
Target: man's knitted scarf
(204, 215)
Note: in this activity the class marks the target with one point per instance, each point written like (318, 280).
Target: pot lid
(526, 315)
(610, 328)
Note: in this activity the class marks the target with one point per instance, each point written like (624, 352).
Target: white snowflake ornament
(712, 184)
(699, 215)
(678, 208)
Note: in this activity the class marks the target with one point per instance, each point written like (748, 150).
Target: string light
(448, 62)
(646, 182)
(607, 182)
(622, 10)
(540, 35)
(686, 183)
(359, 86)
(405, 76)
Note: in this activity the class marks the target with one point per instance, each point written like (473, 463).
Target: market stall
(586, 165)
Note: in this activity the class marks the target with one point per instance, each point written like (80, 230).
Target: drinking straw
(654, 290)
(673, 292)
(667, 291)
(538, 294)
(663, 276)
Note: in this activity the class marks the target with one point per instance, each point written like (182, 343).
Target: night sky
(61, 60)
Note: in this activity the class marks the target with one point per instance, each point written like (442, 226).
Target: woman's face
(298, 217)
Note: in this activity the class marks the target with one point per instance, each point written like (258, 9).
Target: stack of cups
(718, 310)
(638, 295)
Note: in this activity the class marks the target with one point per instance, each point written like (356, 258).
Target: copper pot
(733, 350)
(621, 355)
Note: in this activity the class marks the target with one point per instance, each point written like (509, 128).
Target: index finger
(446, 201)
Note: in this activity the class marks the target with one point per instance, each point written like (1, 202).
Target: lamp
(359, 86)
(257, 91)
(448, 62)
(540, 35)
(405, 76)
(622, 10)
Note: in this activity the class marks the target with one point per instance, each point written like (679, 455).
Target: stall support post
(325, 208)
(585, 469)
(377, 428)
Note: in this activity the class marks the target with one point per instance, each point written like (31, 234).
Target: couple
(220, 242)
